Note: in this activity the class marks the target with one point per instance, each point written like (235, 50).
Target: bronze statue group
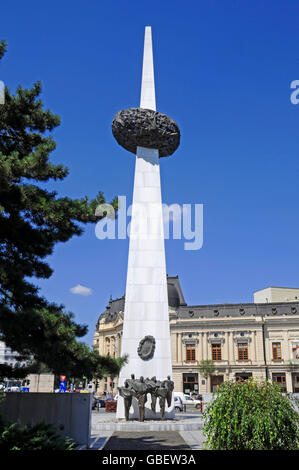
(139, 388)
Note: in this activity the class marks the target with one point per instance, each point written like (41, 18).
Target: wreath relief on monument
(146, 348)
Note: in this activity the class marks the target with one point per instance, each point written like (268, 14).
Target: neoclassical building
(258, 339)
(9, 357)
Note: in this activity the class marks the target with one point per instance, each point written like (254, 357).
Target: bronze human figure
(127, 395)
(139, 388)
(141, 403)
(130, 381)
(153, 385)
(162, 392)
(169, 384)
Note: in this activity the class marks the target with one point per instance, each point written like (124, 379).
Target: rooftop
(225, 310)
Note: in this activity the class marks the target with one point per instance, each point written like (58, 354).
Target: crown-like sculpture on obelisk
(146, 335)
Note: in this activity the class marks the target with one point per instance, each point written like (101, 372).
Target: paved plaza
(184, 432)
(162, 440)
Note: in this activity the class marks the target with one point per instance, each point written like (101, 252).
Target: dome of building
(175, 296)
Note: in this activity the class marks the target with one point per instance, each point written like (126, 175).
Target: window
(243, 351)
(280, 379)
(295, 380)
(190, 383)
(240, 376)
(107, 347)
(216, 381)
(112, 340)
(295, 350)
(276, 350)
(190, 352)
(216, 352)
(188, 398)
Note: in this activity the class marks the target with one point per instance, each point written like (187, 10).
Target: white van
(187, 400)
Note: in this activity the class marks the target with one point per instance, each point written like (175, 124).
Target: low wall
(207, 397)
(294, 397)
(69, 412)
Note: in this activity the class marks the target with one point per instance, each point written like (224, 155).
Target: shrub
(40, 437)
(251, 415)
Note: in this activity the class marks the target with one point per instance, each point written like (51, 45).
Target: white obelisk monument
(146, 300)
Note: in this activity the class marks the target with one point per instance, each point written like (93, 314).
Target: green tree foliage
(251, 415)
(40, 437)
(206, 367)
(2, 48)
(32, 221)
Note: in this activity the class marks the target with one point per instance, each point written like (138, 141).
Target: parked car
(97, 403)
(12, 389)
(187, 400)
(178, 404)
(197, 397)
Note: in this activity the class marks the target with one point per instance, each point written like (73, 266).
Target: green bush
(251, 415)
(40, 437)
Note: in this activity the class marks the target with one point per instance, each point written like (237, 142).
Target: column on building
(206, 346)
(226, 347)
(286, 355)
(198, 348)
(173, 343)
(232, 349)
(254, 346)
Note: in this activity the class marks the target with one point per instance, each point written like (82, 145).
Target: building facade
(9, 357)
(259, 340)
(276, 294)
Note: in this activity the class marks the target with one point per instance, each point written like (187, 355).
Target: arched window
(108, 346)
(112, 339)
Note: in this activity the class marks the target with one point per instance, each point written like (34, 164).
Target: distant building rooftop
(276, 294)
(269, 301)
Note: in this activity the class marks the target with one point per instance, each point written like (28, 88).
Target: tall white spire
(146, 301)
(148, 97)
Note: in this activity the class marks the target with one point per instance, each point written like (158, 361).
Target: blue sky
(223, 72)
